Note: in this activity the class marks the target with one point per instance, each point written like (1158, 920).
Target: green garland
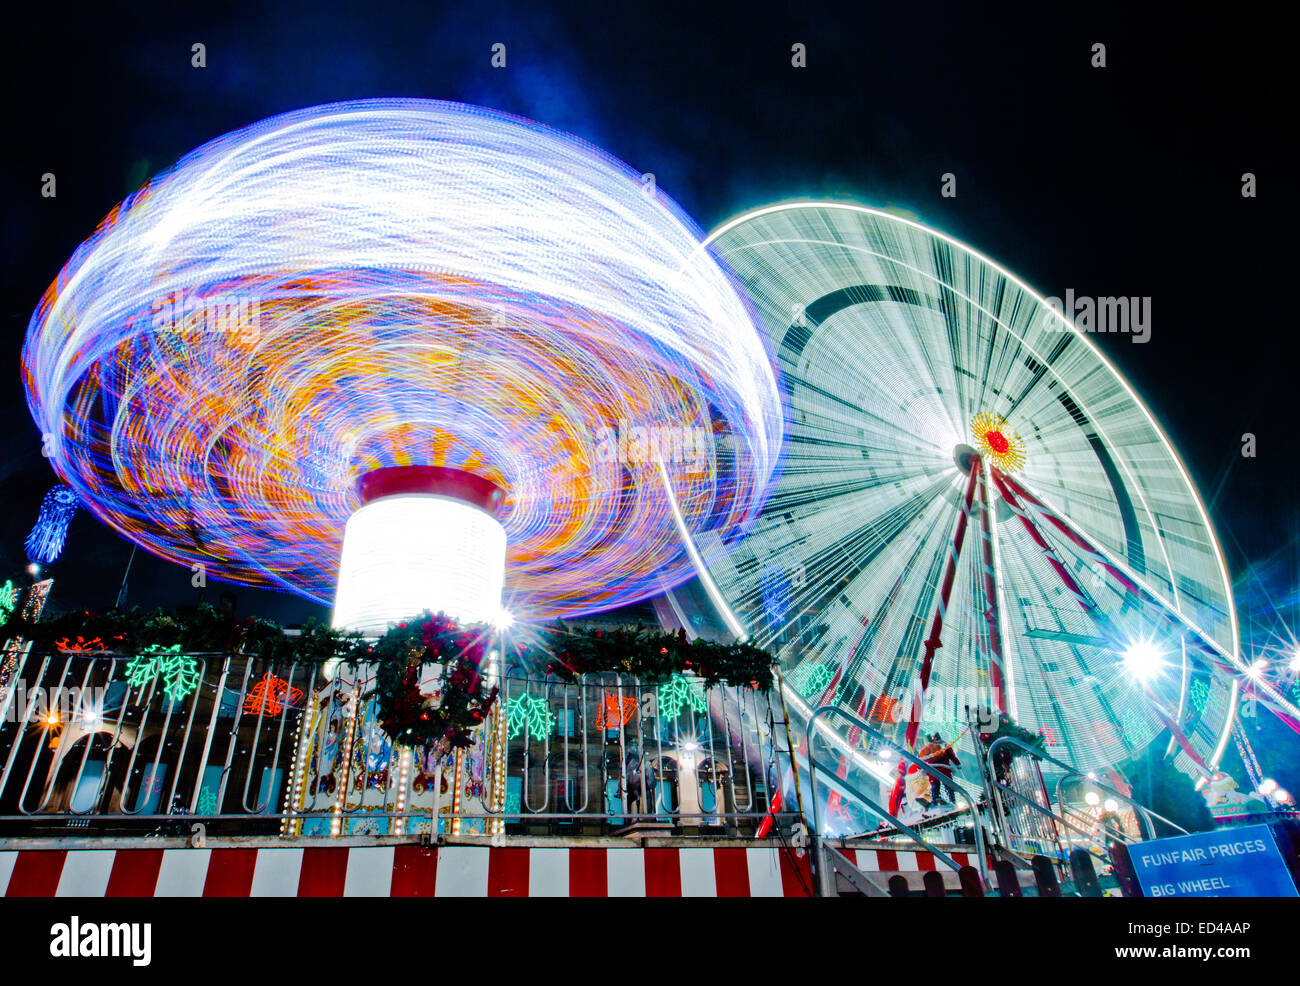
(1006, 726)
(405, 713)
(207, 631)
(655, 656)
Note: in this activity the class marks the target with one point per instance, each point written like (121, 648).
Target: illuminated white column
(688, 783)
(424, 537)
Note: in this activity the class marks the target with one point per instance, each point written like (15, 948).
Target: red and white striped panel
(901, 861)
(912, 866)
(406, 871)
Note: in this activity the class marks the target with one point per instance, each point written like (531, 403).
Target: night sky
(1117, 181)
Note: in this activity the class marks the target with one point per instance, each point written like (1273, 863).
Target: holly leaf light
(677, 693)
(531, 712)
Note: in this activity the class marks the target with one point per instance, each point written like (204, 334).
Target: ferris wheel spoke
(914, 353)
(933, 642)
(864, 648)
(1060, 635)
(1218, 657)
(851, 565)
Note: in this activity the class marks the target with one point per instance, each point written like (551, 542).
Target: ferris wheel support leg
(933, 642)
(1214, 653)
(1074, 536)
(1011, 492)
(1013, 502)
(998, 677)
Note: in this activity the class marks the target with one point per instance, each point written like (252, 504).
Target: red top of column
(432, 480)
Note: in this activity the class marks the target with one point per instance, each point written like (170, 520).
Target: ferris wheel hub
(1004, 448)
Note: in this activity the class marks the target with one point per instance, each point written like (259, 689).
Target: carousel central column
(425, 537)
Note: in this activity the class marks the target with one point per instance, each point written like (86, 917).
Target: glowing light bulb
(1111, 804)
(1092, 798)
(1142, 659)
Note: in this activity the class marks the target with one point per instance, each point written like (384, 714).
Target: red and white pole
(934, 641)
(997, 662)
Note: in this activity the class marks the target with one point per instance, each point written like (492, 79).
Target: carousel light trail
(403, 282)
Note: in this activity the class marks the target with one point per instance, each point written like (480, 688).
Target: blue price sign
(1242, 862)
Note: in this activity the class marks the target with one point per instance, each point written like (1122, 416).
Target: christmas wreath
(412, 717)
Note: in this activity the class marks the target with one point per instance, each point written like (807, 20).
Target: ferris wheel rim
(715, 234)
(1233, 649)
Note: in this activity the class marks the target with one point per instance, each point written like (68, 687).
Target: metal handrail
(1008, 789)
(1146, 813)
(841, 864)
(212, 744)
(947, 782)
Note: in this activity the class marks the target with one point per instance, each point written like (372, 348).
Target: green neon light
(815, 681)
(677, 693)
(179, 672)
(1200, 693)
(531, 712)
(8, 601)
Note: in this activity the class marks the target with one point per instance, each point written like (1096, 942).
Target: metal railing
(1060, 814)
(104, 744)
(882, 812)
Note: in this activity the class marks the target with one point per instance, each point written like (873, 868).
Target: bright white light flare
(405, 554)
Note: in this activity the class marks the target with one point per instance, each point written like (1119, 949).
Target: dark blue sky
(1122, 181)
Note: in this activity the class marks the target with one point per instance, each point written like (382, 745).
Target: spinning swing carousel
(397, 355)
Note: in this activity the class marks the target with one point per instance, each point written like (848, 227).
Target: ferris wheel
(974, 510)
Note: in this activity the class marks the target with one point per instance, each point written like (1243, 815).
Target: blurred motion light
(1142, 660)
(397, 282)
(409, 551)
